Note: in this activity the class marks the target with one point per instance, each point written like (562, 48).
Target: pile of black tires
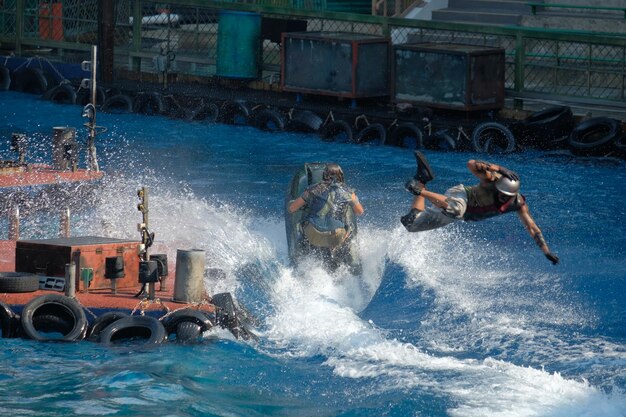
(55, 317)
(549, 129)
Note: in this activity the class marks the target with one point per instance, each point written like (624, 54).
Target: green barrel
(238, 44)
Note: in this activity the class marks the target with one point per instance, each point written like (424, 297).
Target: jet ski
(297, 243)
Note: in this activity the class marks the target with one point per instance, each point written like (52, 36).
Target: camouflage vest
(327, 204)
(483, 203)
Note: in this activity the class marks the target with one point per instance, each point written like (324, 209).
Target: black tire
(546, 128)
(305, 121)
(5, 78)
(61, 94)
(407, 135)
(269, 120)
(53, 314)
(188, 332)
(18, 282)
(208, 113)
(374, 134)
(493, 137)
(149, 103)
(30, 80)
(620, 146)
(103, 321)
(235, 113)
(146, 328)
(441, 140)
(337, 131)
(173, 323)
(8, 320)
(595, 136)
(118, 104)
(83, 96)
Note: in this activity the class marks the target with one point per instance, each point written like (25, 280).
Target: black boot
(414, 186)
(423, 174)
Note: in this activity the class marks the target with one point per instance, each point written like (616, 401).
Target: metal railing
(540, 63)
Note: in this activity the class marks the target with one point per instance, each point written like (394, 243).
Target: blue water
(470, 320)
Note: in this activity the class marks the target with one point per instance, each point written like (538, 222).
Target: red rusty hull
(94, 298)
(40, 174)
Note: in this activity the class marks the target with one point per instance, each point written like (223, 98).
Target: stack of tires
(598, 136)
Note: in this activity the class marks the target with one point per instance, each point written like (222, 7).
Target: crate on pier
(340, 64)
(448, 76)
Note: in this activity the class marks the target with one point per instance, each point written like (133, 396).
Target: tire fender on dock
(118, 104)
(54, 314)
(149, 103)
(103, 321)
(595, 136)
(61, 94)
(269, 120)
(493, 137)
(406, 135)
(147, 328)
(30, 80)
(374, 133)
(18, 282)
(305, 121)
(235, 113)
(188, 324)
(337, 131)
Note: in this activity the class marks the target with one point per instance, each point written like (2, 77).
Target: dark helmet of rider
(333, 173)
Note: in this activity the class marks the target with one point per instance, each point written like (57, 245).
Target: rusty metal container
(49, 256)
(337, 64)
(449, 76)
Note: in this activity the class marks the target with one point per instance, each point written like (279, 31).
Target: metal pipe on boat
(189, 279)
(14, 223)
(70, 279)
(63, 136)
(64, 229)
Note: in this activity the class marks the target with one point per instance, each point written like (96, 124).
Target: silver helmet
(507, 186)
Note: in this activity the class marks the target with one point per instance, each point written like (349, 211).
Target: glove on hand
(552, 258)
(409, 218)
(509, 174)
(414, 186)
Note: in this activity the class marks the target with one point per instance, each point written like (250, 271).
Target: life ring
(493, 137)
(305, 121)
(83, 96)
(337, 131)
(375, 133)
(269, 120)
(147, 328)
(8, 321)
(30, 80)
(148, 103)
(595, 136)
(544, 127)
(61, 94)
(101, 322)
(5, 78)
(54, 317)
(187, 324)
(235, 113)
(18, 282)
(118, 104)
(407, 135)
(442, 140)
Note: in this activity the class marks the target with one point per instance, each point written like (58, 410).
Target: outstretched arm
(296, 205)
(535, 233)
(356, 205)
(486, 171)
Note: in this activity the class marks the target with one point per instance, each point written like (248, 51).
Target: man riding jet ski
(320, 216)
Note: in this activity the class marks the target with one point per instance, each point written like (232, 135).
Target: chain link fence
(182, 37)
